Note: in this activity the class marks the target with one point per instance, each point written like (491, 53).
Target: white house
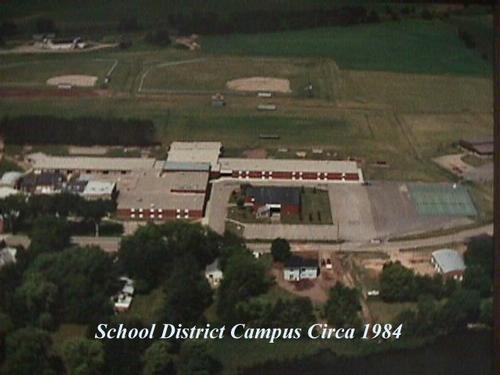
(7, 256)
(213, 274)
(123, 300)
(297, 268)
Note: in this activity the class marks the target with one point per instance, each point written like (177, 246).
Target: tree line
(20, 212)
(83, 131)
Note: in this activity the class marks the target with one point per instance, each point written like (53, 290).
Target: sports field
(442, 200)
(36, 72)
(212, 73)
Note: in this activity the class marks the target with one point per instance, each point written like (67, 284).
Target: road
(111, 244)
(108, 244)
(458, 237)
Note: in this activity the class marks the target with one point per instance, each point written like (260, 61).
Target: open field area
(37, 72)
(213, 73)
(414, 46)
(415, 92)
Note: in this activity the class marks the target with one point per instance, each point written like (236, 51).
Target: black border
(496, 230)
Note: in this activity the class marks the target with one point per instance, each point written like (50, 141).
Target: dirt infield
(73, 80)
(260, 84)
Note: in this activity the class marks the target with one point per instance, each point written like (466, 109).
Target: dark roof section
(274, 195)
(481, 146)
(33, 180)
(299, 262)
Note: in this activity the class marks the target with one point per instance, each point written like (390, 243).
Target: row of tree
(20, 212)
(84, 131)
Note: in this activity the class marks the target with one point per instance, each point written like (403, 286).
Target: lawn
(146, 307)
(386, 312)
(35, 72)
(377, 135)
(212, 73)
(414, 46)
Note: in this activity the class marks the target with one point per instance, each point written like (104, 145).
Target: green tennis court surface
(442, 200)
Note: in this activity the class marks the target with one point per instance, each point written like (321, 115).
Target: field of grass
(146, 307)
(36, 72)
(387, 312)
(212, 73)
(369, 137)
(417, 92)
(414, 46)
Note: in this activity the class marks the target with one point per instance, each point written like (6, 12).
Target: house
(7, 256)
(269, 200)
(123, 300)
(213, 274)
(449, 263)
(298, 268)
(7, 191)
(11, 179)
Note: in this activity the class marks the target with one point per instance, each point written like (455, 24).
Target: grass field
(212, 73)
(415, 46)
(416, 92)
(36, 72)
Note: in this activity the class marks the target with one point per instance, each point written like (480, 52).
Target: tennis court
(442, 200)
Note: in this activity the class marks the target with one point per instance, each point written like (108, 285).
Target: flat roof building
(88, 164)
(291, 169)
(195, 152)
(99, 190)
(180, 195)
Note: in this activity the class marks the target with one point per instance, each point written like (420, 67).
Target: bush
(280, 250)
(158, 37)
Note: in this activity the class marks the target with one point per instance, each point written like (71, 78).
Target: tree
(187, 294)
(123, 356)
(158, 359)
(159, 37)
(280, 250)
(475, 278)
(95, 211)
(195, 359)
(145, 255)
(128, 24)
(244, 277)
(13, 209)
(83, 357)
(49, 234)
(192, 240)
(37, 294)
(297, 312)
(45, 25)
(84, 278)
(397, 283)
(27, 353)
(481, 252)
(461, 308)
(486, 314)
(342, 307)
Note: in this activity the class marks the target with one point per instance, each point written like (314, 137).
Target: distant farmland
(413, 46)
